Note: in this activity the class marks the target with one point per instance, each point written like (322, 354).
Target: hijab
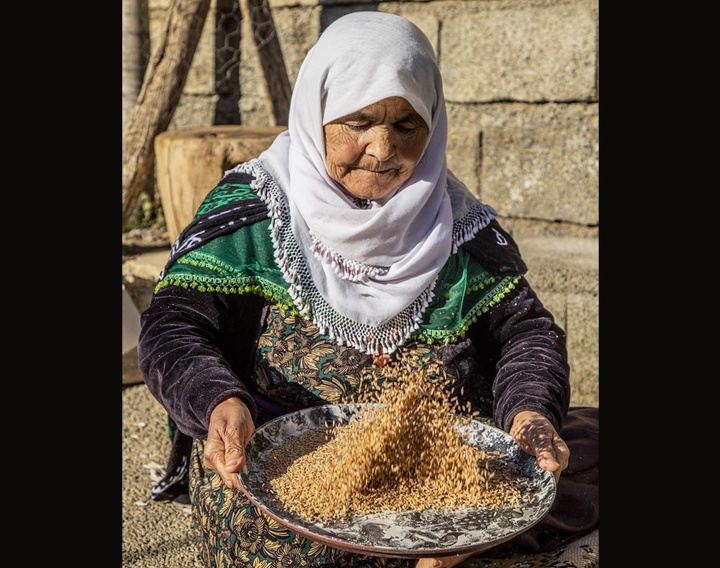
(365, 275)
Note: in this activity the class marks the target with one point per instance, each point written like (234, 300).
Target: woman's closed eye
(404, 127)
(358, 126)
(407, 128)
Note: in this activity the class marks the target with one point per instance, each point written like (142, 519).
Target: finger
(234, 458)
(222, 455)
(537, 436)
(231, 427)
(562, 452)
(427, 563)
(554, 458)
(444, 562)
(546, 460)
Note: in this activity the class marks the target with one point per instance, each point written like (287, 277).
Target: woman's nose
(380, 144)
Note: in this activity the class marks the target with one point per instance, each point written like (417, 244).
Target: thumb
(234, 457)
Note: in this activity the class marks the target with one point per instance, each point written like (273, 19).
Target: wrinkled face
(372, 151)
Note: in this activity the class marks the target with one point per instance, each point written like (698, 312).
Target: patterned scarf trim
(288, 255)
(345, 268)
(465, 228)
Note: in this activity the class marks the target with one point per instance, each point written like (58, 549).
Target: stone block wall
(522, 91)
(521, 83)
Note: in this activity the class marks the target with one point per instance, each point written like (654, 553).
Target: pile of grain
(404, 452)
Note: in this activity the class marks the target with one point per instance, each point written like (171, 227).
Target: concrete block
(583, 337)
(535, 161)
(565, 265)
(521, 52)
(543, 228)
(564, 273)
(465, 146)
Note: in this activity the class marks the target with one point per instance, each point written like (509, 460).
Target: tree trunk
(277, 85)
(134, 34)
(161, 90)
(191, 161)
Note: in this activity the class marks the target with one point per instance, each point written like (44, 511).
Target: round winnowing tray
(408, 534)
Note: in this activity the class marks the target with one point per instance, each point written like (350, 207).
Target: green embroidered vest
(243, 261)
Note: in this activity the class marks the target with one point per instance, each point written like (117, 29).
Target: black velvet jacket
(199, 348)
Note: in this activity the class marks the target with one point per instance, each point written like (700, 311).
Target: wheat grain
(402, 451)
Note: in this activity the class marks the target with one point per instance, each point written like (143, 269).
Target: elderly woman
(345, 244)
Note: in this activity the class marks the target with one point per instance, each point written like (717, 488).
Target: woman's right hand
(444, 562)
(230, 429)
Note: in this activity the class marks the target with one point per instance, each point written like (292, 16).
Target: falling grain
(402, 451)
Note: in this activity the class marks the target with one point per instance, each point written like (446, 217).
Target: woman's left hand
(536, 436)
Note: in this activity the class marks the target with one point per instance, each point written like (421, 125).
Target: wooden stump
(191, 161)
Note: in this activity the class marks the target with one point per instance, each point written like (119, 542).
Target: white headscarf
(372, 270)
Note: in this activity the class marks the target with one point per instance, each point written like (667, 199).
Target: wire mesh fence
(140, 35)
(137, 43)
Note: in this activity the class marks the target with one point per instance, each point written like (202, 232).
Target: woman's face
(372, 151)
